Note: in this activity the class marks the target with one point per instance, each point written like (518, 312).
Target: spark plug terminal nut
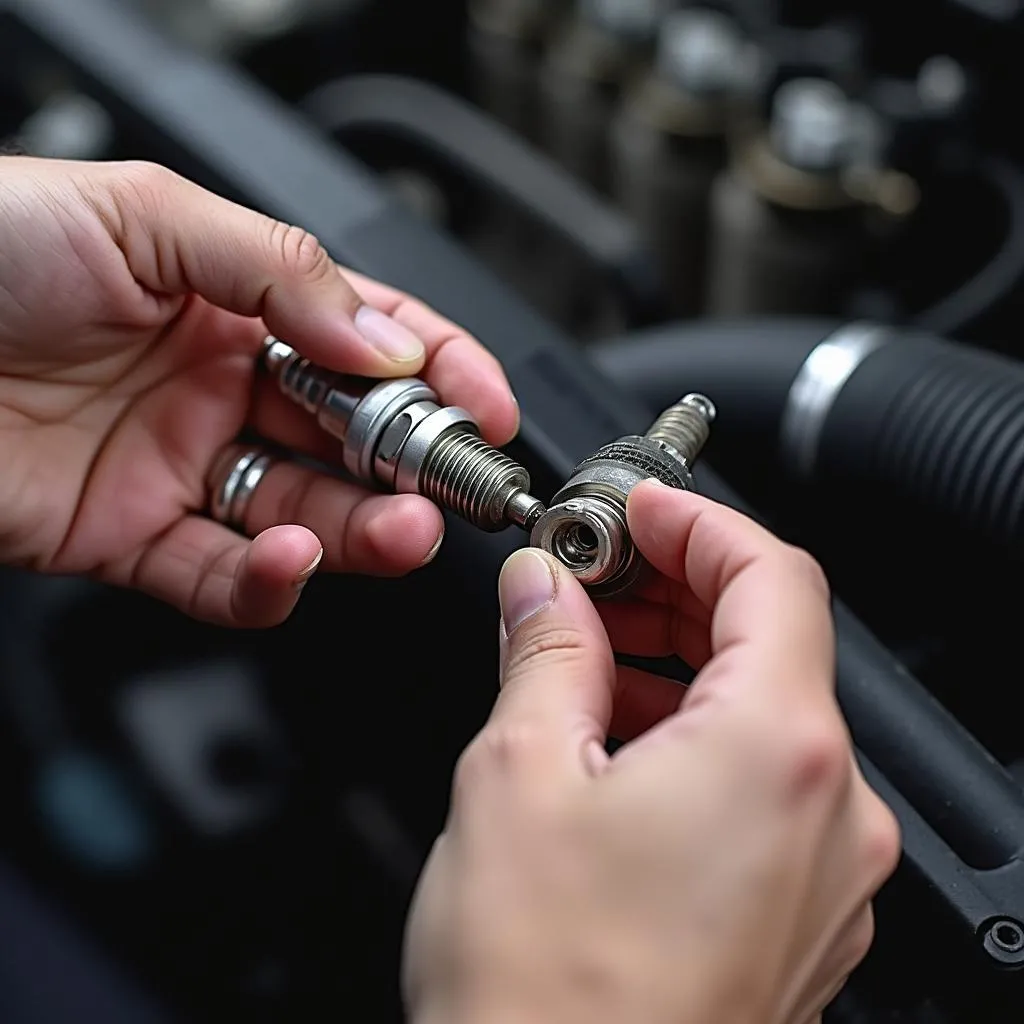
(585, 525)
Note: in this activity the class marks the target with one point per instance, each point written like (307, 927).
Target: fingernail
(388, 336)
(526, 585)
(432, 553)
(304, 577)
(655, 480)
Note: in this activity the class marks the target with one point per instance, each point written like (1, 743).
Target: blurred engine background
(209, 826)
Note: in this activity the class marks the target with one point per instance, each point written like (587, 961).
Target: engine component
(937, 424)
(532, 205)
(788, 225)
(222, 130)
(505, 40)
(601, 49)
(585, 527)
(865, 398)
(668, 142)
(395, 433)
(784, 230)
(229, 25)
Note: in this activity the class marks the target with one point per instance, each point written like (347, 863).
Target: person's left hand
(132, 308)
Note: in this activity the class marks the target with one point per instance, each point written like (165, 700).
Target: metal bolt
(1003, 939)
(585, 528)
(813, 125)
(701, 50)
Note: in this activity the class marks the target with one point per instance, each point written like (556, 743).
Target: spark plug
(585, 526)
(396, 435)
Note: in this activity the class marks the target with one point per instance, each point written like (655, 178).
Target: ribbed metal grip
(464, 474)
(685, 426)
(303, 382)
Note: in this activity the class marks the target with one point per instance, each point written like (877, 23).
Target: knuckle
(511, 743)
(497, 749)
(300, 250)
(820, 756)
(145, 181)
(806, 567)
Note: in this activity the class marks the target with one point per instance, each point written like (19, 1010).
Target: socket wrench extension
(585, 526)
(396, 435)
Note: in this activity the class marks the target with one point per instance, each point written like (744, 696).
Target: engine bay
(812, 213)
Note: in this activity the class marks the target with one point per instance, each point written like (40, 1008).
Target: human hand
(132, 309)
(717, 868)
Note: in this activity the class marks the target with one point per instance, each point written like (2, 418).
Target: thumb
(180, 239)
(558, 671)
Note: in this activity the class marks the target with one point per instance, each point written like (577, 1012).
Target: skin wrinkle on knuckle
(349, 540)
(134, 204)
(300, 251)
(144, 182)
(549, 647)
(214, 565)
(144, 557)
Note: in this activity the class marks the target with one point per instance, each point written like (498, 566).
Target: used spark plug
(395, 434)
(585, 525)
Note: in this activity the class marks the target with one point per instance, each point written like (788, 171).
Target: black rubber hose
(937, 424)
(747, 367)
(943, 425)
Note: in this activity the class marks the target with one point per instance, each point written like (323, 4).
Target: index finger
(771, 622)
(461, 370)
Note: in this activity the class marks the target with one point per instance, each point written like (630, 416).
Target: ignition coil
(585, 527)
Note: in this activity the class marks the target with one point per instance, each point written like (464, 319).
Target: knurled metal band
(635, 455)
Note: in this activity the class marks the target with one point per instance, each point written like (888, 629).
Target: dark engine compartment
(624, 201)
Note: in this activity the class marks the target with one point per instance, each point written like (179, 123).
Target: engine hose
(908, 413)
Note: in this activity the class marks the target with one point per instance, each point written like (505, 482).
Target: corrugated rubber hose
(906, 413)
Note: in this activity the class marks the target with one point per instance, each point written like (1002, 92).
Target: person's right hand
(717, 869)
